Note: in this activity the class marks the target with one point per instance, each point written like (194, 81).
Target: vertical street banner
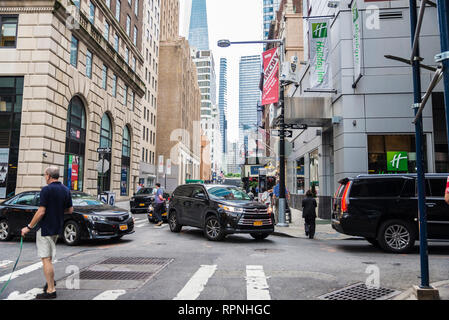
(4, 160)
(270, 92)
(161, 164)
(168, 170)
(320, 77)
(356, 40)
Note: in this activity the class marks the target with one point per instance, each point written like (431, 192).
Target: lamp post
(282, 191)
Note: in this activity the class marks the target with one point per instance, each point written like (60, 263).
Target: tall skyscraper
(269, 12)
(249, 95)
(198, 30)
(223, 101)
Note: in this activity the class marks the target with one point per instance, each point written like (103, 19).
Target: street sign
(102, 166)
(277, 133)
(104, 150)
(296, 126)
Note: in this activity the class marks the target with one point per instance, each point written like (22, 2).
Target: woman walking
(309, 214)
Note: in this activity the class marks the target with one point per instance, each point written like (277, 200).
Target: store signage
(104, 150)
(4, 160)
(319, 54)
(397, 161)
(356, 40)
(270, 92)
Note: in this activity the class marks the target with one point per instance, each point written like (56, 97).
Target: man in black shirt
(55, 201)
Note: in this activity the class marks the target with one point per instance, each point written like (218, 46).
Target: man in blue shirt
(55, 201)
(159, 204)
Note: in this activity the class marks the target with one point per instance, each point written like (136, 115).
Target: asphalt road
(191, 267)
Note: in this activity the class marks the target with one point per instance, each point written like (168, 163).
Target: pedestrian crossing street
(256, 284)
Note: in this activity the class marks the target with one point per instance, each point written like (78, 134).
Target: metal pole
(423, 251)
(282, 164)
(443, 14)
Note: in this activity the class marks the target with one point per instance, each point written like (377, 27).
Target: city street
(186, 266)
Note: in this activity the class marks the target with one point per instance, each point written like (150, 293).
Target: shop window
(8, 31)
(104, 178)
(126, 154)
(75, 145)
(11, 93)
(393, 154)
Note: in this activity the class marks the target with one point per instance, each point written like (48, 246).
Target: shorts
(46, 246)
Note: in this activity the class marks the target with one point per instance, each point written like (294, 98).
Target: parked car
(218, 210)
(141, 200)
(384, 209)
(91, 218)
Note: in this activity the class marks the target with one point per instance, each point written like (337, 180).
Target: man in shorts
(55, 201)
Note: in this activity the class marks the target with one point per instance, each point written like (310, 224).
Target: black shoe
(307, 234)
(46, 296)
(46, 287)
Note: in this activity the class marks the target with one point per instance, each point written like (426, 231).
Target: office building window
(136, 8)
(128, 26)
(74, 52)
(106, 31)
(126, 156)
(89, 64)
(116, 42)
(135, 36)
(125, 95)
(91, 12)
(104, 81)
(117, 10)
(8, 31)
(114, 85)
(108, 3)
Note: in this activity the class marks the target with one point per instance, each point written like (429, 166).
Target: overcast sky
(236, 20)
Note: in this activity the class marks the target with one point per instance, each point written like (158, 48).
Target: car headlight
(231, 209)
(150, 208)
(92, 218)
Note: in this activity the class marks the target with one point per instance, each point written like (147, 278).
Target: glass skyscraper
(223, 101)
(249, 95)
(269, 11)
(199, 31)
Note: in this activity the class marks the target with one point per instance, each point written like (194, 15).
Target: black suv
(384, 209)
(218, 210)
(141, 200)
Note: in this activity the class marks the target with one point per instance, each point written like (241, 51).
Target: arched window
(126, 154)
(104, 175)
(75, 145)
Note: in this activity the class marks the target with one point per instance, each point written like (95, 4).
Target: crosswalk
(143, 222)
(257, 287)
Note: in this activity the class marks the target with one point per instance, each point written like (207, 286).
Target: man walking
(159, 204)
(55, 201)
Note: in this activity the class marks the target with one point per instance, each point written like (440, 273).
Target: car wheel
(72, 233)
(259, 236)
(173, 222)
(397, 236)
(213, 229)
(373, 241)
(5, 235)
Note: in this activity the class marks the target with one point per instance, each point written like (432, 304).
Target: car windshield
(228, 193)
(85, 200)
(145, 191)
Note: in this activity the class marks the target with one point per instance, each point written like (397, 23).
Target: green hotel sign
(397, 161)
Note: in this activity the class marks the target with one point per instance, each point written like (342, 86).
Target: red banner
(270, 92)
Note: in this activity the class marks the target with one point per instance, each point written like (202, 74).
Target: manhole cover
(114, 275)
(268, 250)
(360, 291)
(136, 260)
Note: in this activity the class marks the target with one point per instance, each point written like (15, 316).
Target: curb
(409, 292)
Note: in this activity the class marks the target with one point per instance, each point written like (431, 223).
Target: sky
(235, 20)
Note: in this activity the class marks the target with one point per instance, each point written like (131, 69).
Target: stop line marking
(196, 284)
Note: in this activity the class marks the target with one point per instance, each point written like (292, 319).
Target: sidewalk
(442, 286)
(323, 229)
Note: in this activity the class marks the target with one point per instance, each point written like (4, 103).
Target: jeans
(158, 207)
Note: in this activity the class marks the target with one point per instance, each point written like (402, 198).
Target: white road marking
(140, 225)
(4, 263)
(26, 270)
(29, 295)
(110, 295)
(256, 284)
(196, 284)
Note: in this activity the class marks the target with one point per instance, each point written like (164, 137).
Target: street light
(282, 194)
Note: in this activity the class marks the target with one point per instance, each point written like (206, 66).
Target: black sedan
(141, 200)
(91, 218)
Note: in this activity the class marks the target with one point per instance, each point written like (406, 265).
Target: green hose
(14, 268)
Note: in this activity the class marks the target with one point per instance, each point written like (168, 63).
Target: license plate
(142, 204)
(164, 214)
(123, 227)
(258, 223)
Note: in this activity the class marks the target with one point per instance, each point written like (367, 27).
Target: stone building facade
(178, 125)
(70, 83)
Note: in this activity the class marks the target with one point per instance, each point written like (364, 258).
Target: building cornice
(25, 9)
